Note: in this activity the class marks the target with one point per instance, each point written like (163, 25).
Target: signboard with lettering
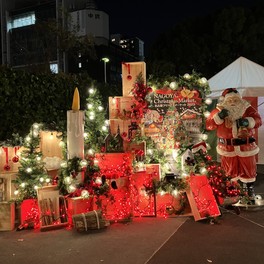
(168, 108)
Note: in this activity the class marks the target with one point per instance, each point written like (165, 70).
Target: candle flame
(76, 100)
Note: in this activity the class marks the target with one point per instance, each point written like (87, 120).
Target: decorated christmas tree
(32, 173)
(95, 126)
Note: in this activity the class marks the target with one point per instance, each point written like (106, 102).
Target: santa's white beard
(235, 112)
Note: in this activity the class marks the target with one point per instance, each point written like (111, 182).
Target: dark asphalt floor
(234, 239)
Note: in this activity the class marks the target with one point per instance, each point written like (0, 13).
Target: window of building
(22, 20)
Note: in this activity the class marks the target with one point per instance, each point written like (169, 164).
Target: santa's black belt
(236, 141)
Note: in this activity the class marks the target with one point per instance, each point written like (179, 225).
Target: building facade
(33, 37)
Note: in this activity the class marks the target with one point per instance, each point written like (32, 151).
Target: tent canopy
(244, 75)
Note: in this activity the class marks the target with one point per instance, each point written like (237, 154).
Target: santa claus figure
(235, 121)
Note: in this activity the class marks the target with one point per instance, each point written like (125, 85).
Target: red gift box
(78, 205)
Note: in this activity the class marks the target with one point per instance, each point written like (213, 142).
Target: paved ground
(235, 239)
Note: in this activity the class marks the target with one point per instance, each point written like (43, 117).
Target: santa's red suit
(238, 154)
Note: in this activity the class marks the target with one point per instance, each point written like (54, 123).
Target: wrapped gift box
(116, 206)
(78, 205)
(114, 165)
(7, 216)
(29, 212)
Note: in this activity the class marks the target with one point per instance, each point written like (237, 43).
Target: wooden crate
(130, 71)
(144, 204)
(201, 198)
(52, 207)
(7, 216)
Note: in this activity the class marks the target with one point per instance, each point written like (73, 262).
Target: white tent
(243, 74)
(248, 78)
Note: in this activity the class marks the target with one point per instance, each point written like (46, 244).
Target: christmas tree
(32, 173)
(95, 125)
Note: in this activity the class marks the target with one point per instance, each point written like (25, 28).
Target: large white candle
(75, 129)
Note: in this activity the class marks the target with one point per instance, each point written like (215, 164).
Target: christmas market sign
(181, 100)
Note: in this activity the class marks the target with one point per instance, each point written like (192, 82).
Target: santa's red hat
(229, 92)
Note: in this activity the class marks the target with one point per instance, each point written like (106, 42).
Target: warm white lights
(63, 164)
(28, 170)
(204, 136)
(206, 114)
(89, 106)
(68, 180)
(208, 101)
(203, 170)
(91, 91)
(85, 194)
(98, 180)
(187, 76)
(90, 151)
(83, 163)
(173, 85)
(203, 81)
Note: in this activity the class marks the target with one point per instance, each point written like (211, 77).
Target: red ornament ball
(15, 159)
(7, 167)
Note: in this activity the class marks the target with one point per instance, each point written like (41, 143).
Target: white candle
(75, 129)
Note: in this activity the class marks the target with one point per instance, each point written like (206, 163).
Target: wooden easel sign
(201, 198)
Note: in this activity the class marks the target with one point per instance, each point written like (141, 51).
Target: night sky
(146, 19)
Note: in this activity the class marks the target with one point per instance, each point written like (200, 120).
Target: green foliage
(43, 98)
(169, 186)
(70, 169)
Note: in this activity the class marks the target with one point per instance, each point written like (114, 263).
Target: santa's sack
(92, 220)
